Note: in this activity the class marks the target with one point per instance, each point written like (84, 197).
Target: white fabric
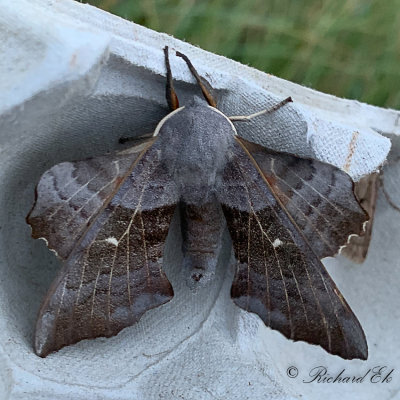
(74, 79)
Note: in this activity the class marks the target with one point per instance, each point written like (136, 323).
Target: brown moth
(108, 218)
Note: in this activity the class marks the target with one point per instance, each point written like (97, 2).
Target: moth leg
(262, 112)
(205, 86)
(172, 98)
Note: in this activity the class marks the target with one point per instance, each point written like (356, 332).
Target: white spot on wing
(112, 241)
(277, 242)
(349, 238)
(47, 244)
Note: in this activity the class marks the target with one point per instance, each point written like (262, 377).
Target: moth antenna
(262, 112)
(205, 86)
(172, 98)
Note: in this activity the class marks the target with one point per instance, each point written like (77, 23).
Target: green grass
(350, 48)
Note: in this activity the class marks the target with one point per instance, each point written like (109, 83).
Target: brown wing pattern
(318, 197)
(366, 190)
(278, 276)
(71, 194)
(113, 274)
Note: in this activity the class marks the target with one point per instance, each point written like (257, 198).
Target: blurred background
(347, 48)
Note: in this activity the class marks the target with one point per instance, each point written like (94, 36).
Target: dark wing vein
(59, 214)
(318, 197)
(313, 225)
(253, 214)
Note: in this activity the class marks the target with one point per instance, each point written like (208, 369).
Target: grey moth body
(189, 138)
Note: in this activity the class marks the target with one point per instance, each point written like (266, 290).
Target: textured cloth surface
(73, 80)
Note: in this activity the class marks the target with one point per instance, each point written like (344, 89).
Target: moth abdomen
(202, 228)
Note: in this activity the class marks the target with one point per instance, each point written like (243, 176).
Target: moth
(108, 217)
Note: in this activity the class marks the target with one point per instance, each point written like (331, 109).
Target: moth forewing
(112, 271)
(279, 275)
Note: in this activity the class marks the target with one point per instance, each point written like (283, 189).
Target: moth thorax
(196, 147)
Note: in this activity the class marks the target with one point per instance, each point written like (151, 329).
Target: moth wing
(318, 197)
(366, 190)
(113, 273)
(278, 275)
(70, 195)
